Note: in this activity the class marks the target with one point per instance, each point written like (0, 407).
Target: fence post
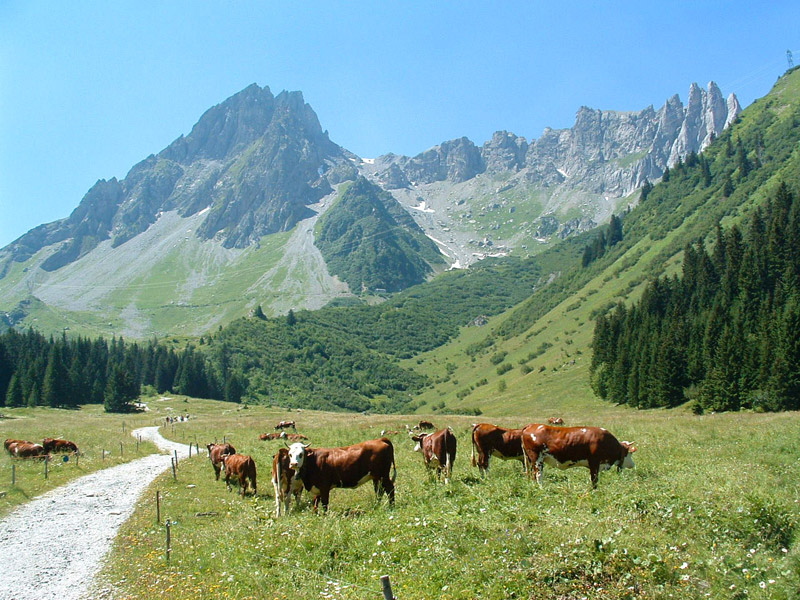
(46, 462)
(190, 451)
(386, 588)
(120, 449)
(169, 549)
(174, 474)
(77, 455)
(176, 457)
(158, 506)
(123, 427)
(104, 453)
(13, 474)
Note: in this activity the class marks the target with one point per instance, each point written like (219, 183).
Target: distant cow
(28, 450)
(439, 451)
(321, 469)
(270, 436)
(56, 445)
(565, 447)
(241, 467)
(425, 425)
(284, 482)
(215, 454)
(388, 432)
(555, 421)
(286, 425)
(9, 445)
(294, 437)
(489, 440)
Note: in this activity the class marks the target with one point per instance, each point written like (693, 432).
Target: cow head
(418, 439)
(297, 455)
(627, 461)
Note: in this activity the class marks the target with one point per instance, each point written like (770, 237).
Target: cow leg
(227, 481)
(324, 496)
(384, 486)
(253, 483)
(278, 499)
(243, 483)
(216, 470)
(594, 469)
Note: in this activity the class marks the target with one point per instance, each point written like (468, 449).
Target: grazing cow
(56, 445)
(215, 454)
(286, 425)
(28, 450)
(241, 467)
(555, 421)
(284, 482)
(439, 451)
(270, 436)
(565, 447)
(425, 425)
(489, 440)
(321, 469)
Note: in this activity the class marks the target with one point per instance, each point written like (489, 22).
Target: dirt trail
(53, 546)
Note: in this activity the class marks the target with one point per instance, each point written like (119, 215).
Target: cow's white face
(297, 455)
(627, 462)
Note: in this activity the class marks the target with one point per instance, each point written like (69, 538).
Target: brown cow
(215, 454)
(293, 437)
(56, 445)
(321, 469)
(270, 436)
(439, 451)
(286, 425)
(241, 467)
(489, 440)
(10, 444)
(284, 482)
(565, 447)
(425, 425)
(28, 450)
(555, 421)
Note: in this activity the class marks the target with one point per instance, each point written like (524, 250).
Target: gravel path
(53, 546)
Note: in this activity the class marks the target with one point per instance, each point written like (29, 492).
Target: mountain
(226, 218)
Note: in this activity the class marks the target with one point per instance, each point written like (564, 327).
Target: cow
(28, 450)
(215, 454)
(385, 432)
(489, 440)
(284, 482)
(241, 467)
(555, 421)
(425, 425)
(439, 451)
(56, 445)
(270, 436)
(286, 425)
(293, 437)
(565, 447)
(10, 444)
(322, 469)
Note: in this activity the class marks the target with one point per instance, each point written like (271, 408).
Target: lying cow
(286, 425)
(270, 436)
(56, 445)
(425, 425)
(489, 440)
(215, 454)
(241, 467)
(284, 482)
(10, 444)
(565, 447)
(28, 450)
(322, 469)
(555, 421)
(293, 437)
(439, 451)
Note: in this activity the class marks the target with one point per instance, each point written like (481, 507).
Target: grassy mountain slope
(540, 350)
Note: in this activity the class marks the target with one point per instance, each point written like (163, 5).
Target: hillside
(542, 347)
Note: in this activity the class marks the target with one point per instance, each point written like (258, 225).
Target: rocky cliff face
(607, 152)
(253, 162)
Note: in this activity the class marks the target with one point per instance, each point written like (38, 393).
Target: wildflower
(684, 565)
(762, 585)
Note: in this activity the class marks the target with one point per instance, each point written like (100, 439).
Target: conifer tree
(14, 393)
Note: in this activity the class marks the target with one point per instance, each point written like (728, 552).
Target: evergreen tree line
(609, 236)
(66, 372)
(726, 334)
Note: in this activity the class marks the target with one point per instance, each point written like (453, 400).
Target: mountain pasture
(711, 510)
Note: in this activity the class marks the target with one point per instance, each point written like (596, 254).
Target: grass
(710, 506)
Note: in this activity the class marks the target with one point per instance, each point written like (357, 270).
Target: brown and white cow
(438, 450)
(322, 469)
(284, 482)
(215, 454)
(269, 436)
(294, 437)
(28, 450)
(10, 444)
(56, 445)
(555, 421)
(565, 447)
(286, 425)
(490, 440)
(241, 467)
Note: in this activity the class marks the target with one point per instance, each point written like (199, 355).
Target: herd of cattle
(25, 449)
(297, 466)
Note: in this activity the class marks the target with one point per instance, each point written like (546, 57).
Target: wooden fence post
(13, 474)
(176, 457)
(120, 449)
(190, 451)
(169, 548)
(158, 506)
(386, 588)
(174, 474)
(104, 453)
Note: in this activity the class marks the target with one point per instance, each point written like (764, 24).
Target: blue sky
(88, 89)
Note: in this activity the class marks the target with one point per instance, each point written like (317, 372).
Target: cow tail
(394, 470)
(474, 462)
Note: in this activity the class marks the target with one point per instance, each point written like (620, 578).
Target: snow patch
(423, 207)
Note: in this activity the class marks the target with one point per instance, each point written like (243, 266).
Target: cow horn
(306, 445)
